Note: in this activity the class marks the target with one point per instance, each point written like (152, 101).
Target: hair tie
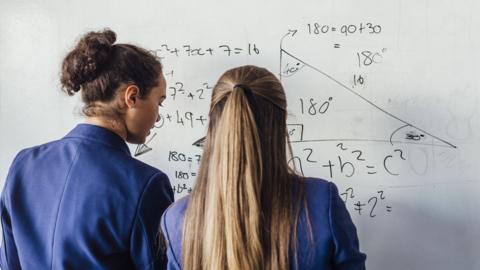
(249, 93)
(243, 87)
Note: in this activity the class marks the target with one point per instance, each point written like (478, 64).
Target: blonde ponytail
(241, 212)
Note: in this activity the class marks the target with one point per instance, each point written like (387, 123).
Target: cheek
(155, 114)
(150, 117)
(142, 120)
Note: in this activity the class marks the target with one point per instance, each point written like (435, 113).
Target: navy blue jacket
(334, 243)
(82, 202)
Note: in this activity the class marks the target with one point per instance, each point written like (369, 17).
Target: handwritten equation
(375, 204)
(188, 50)
(186, 170)
(351, 164)
(316, 28)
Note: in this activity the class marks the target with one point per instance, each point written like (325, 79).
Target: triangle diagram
(341, 114)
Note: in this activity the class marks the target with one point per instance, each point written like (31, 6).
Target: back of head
(241, 206)
(98, 67)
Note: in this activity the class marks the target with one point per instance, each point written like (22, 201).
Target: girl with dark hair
(83, 202)
(248, 209)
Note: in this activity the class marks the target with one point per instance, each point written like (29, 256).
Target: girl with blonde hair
(248, 209)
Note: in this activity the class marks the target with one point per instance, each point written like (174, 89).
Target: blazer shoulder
(172, 218)
(317, 186)
(175, 212)
(147, 167)
(172, 224)
(30, 152)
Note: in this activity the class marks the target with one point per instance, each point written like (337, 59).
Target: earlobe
(131, 94)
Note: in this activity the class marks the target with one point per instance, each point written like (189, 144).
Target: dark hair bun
(86, 61)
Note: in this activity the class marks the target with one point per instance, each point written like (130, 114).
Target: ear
(132, 93)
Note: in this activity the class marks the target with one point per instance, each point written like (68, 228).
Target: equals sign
(194, 174)
(336, 45)
(333, 29)
(371, 167)
(189, 159)
(389, 209)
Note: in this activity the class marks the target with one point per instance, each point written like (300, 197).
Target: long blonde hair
(243, 212)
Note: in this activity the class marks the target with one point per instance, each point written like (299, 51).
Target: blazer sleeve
(172, 263)
(8, 257)
(8, 253)
(146, 249)
(347, 255)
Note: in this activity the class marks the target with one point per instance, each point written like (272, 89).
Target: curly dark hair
(97, 67)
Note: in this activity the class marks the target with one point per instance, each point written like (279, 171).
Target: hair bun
(86, 61)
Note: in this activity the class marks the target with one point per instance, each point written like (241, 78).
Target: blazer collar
(99, 134)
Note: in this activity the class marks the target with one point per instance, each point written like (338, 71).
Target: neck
(112, 125)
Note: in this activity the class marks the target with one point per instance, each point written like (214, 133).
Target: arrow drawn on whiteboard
(144, 148)
(200, 142)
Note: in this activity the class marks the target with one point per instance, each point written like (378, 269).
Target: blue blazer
(334, 246)
(82, 202)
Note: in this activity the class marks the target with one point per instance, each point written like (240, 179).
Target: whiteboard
(383, 100)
